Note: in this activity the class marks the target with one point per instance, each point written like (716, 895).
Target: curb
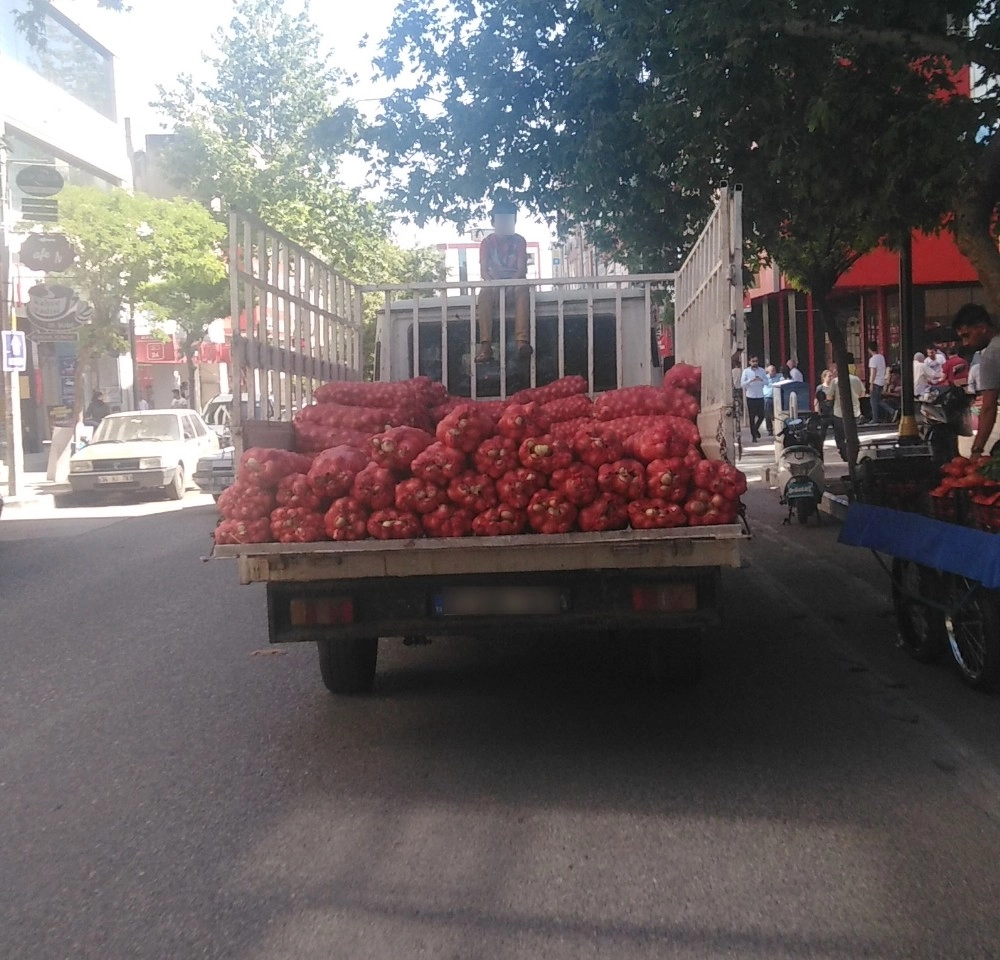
(835, 506)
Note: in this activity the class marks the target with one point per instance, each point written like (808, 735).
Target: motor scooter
(801, 475)
(945, 416)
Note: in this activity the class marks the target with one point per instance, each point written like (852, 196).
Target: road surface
(173, 788)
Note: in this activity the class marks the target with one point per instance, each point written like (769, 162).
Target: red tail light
(321, 611)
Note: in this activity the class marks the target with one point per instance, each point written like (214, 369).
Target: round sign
(39, 180)
(47, 252)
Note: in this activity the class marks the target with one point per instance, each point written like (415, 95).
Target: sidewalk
(37, 491)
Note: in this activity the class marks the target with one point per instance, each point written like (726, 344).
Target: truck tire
(675, 657)
(974, 635)
(922, 631)
(348, 666)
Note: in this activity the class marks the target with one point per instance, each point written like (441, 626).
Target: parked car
(146, 450)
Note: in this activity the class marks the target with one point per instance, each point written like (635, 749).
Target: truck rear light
(321, 611)
(665, 598)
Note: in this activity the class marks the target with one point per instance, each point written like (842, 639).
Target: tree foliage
(845, 121)
(266, 133)
(135, 252)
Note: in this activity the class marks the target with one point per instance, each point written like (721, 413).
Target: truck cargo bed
(717, 546)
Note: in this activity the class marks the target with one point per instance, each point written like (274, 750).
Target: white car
(143, 450)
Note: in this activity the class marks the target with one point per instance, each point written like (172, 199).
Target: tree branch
(929, 44)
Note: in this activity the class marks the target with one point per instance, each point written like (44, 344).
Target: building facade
(58, 109)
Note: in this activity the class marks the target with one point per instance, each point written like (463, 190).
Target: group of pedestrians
(757, 384)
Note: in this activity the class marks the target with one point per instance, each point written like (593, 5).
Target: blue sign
(15, 351)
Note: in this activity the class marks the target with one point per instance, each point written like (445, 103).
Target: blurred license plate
(500, 602)
(115, 478)
(799, 489)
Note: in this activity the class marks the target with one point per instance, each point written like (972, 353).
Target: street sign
(47, 252)
(15, 351)
(39, 180)
(40, 211)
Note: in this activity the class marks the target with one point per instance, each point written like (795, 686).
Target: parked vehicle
(143, 450)
(659, 587)
(945, 417)
(801, 475)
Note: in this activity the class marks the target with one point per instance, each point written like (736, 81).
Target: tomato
(347, 519)
(627, 478)
(297, 525)
(550, 512)
(397, 448)
(333, 471)
(497, 456)
(296, 491)
(447, 520)
(465, 428)
(244, 531)
(392, 524)
(608, 512)
(502, 521)
(419, 496)
(655, 514)
(522, 420)
(473, 491)
(374, 487)
(545, 454)
(517, 487)
(578, 482)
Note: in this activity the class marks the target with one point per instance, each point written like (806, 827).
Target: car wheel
(175, 490)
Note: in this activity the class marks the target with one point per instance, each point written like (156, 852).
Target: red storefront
(782, 323)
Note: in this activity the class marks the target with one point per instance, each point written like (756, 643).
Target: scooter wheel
(922, 631)
(804, 510)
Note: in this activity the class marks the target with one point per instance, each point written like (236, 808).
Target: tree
(843, 121)
(134, 252)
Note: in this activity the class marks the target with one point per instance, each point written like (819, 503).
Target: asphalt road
(171, 788)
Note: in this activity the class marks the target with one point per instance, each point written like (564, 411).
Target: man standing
(837, 397)
(976, 329)
(876, 383)
(503, 255)
(773, 377)
(752, 382)
(794, 373)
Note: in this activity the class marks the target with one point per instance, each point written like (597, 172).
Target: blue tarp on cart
(910, 536)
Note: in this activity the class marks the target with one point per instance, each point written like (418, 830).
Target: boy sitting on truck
(503, 255)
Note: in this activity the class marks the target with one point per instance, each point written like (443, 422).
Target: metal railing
(440, 317)
(297, 322)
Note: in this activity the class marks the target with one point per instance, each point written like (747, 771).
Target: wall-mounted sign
(39, 180)
(54, 304)
(47, 252)
(15, 351)
(40, 211)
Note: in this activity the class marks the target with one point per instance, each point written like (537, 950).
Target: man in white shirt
(975, 327)
(752, 382)
(794, 373)
(836, 397)
(876, 382)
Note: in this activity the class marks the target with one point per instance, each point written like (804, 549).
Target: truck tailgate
(717, 546)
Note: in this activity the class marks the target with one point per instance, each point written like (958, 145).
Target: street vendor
(503, 255)
(976, 329)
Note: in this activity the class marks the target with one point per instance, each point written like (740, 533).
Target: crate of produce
(897, 476)
(984, 511)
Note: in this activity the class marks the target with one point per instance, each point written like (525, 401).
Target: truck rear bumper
(590, 602)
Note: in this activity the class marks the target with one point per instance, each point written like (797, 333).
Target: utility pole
(14, 456)
(907, 417)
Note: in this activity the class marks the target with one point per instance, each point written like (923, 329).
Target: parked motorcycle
(801, 476)
(945, 416)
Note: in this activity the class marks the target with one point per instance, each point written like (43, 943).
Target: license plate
(116, 478)
(798, 489)
(500, 602)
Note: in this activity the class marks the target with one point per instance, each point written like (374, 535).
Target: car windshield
(154, 426)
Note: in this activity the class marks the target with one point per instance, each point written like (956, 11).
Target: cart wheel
(922, 630)
(974, 634)
(348, 666)
(675, 657)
